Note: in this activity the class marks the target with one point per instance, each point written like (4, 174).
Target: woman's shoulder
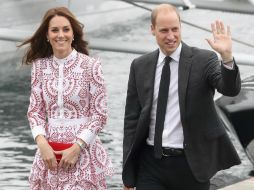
(42, 61)
(88, 59)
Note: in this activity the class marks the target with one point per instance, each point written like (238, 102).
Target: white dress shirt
(172, 135)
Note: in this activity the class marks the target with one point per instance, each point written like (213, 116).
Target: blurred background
(103, 19)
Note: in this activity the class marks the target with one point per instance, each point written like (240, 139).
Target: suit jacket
(208, 148)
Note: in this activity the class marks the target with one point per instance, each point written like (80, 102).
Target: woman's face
(60, 36)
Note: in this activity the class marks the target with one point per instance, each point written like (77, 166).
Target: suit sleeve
(132, 112)
(226, 81)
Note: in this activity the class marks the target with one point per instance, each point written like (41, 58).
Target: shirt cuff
(87, 136)
(38, 130)
(229, 65)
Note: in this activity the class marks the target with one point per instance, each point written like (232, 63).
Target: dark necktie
(161, 107)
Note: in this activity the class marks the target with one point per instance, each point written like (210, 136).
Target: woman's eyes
(54, 30)
(64, 30)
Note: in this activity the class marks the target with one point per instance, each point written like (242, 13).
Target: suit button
(185, 145)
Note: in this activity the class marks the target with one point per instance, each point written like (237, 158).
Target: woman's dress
(68, 101)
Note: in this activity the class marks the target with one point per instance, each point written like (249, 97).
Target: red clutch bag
(57, 146)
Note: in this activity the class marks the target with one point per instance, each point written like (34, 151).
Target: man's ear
(152, 30)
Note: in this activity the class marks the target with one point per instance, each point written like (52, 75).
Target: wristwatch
(80, 144)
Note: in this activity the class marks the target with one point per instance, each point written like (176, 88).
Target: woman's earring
(47, 40)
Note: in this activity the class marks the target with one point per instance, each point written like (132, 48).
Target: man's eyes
(172, 30)
(164, 31)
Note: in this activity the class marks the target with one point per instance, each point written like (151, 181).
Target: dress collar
(67, 59)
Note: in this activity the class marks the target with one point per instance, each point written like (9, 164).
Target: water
(102, 20)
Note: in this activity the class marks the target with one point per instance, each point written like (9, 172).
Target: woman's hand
(69, 156)
(47, 153)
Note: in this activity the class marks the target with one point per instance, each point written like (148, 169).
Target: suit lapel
(150, 68)
(183, 77)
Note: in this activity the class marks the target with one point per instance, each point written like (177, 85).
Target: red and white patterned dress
(67, 102)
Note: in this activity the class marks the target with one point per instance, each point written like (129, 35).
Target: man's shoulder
(147, 56)
(196, 50)
(198, 55)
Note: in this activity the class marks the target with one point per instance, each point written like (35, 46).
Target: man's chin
(170, 50)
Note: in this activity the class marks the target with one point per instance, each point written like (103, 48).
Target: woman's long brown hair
(41, 48)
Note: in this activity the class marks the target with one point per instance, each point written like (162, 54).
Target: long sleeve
(226, 81)
(97, 103)
(36, 111)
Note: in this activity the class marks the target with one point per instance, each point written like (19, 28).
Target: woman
(67, 107)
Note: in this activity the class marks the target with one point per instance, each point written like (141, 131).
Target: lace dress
(67, 102)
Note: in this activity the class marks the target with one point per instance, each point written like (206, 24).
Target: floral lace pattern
(68, 101)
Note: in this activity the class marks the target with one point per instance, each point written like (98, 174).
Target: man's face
(167, 30)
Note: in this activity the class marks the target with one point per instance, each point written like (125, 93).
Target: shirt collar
(175, 55)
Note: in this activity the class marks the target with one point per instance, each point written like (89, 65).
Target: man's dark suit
(206, 144)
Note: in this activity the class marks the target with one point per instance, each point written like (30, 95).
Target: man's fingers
(213, 30)
(218, 27)
(228, 31)
(222, 28)
(210, 42)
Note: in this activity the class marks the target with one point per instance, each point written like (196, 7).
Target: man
(192, 145)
